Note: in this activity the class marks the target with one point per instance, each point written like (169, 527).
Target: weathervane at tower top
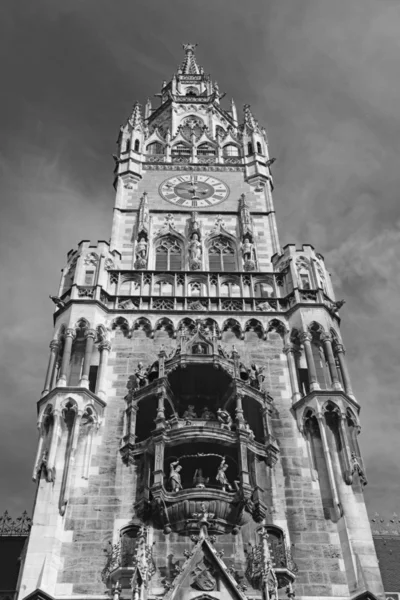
(189, 47)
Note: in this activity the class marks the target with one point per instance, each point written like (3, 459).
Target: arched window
(192, 91)
(137, 146)
(155, 148)
(205, 150)
(259, 150)
(168, 254)
(181, 149)
(128, 145)
(249, 148)
(230, 150)
(222, 255)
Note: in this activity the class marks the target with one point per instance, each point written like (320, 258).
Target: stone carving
(195, 253)
(174, 476)
(221, 476)
(225, 419)
(198, 480)
(108, 264)
(57, 301)
(141, 253)
(190, 413)
(91, 259)
(197, 305)
(265, 307)
(256, 376)
(207, 414)
(357, 468)
(248, 255)
(334, 307)
(203, 578)
(139, 379)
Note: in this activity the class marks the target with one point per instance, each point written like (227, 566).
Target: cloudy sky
(322, 76)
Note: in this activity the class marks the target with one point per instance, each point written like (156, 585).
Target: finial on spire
(189, 47)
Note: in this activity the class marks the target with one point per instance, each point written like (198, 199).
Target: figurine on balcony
(174, 476)
(141, 375)
(256, 376)
(190, 413)
(221, 476)
(225, 419)
(207, 414)
(198, 480)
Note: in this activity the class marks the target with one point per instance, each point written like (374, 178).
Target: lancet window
(155, 148)
(222, 255)
(168, 254)
(230, 150)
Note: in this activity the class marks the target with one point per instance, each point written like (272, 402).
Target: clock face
(194, 191)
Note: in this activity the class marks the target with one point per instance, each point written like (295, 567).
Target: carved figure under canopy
(198, 480)
(207, 414)
(141, 248)
(195, 252)
(190, 413)
(221, 476)
(247, 249)
(256, 376)
(174, 476)
(224, 418)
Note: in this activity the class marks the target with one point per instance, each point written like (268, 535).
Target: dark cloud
(322, 76)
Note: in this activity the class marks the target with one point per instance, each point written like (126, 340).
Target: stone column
(69, 337)
(312, 373)
(160, 418)
(90, 334)
(327, 341)
(290, 350)
(69, 463)
(340, 351)
(54, 346)
(38, 452)
(104, 348)
(53, 446)
(329, 466)
(239, 412)
(346, 450)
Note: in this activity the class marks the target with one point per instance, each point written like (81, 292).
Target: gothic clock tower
(197, 426)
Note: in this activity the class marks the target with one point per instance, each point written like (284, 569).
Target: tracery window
(222, 255)
(168, 254)
(192, 124)
(181, 149)
(206, 150)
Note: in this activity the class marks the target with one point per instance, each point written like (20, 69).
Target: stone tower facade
(197, 427)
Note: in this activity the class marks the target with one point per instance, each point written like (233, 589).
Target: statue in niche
(224, 418)
(207, 414)
(141, 253)
(195, 252)
(175, 476)
(190, 413)
(199, 349)
(198, 480)
(249, 430)
(221, 476)
(141, 375)
(248, 254)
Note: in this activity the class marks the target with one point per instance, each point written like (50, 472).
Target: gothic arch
(256, 326)
(165, 324)
(278, 326)
(169, 250)
(120, 323)
(143, 324)
(82, 324)
(186, 324)
(221, 251)
(233, 325)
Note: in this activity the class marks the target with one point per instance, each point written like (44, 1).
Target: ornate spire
(249, 120)
(136, 118)
(189, 65)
